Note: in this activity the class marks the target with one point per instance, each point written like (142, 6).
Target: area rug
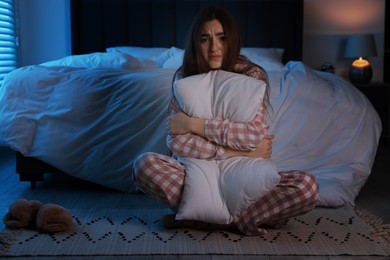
(97, 232)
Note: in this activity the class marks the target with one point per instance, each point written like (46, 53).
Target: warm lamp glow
(351, 14)
(340, 17)
(360, 63)
(360, 46)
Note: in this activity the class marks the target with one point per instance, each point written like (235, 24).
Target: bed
(92, 113)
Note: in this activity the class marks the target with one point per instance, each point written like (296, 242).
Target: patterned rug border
(379, 228)
(148, 237)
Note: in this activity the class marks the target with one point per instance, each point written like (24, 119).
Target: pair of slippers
(47, 218)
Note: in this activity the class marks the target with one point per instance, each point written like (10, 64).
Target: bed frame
(99, 24)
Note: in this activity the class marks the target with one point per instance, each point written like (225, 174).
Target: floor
(73, 193)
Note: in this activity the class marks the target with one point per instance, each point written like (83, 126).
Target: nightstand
(379, 96)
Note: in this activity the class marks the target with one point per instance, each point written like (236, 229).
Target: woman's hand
(180, 123)
(264, 150)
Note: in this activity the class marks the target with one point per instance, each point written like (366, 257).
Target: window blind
(8, 41)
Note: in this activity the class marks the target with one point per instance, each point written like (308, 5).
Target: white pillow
(268, 58)
(244, 180)
(98, 60)
(275, 54)
(156, 54)
(221, 94)
(175, 58)
(201, 198)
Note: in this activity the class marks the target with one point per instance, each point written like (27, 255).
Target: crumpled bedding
(93, 122)
(89, 123)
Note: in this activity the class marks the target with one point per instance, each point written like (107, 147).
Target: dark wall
(98, 24)
(386, 65)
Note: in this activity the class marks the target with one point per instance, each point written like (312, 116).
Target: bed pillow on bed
(217, 95)
(155, 54)
(175, 58)
(270, 53)
(113, 60)
(268, 58)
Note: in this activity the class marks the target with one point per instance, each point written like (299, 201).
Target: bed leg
(33, 184)
(29, 170)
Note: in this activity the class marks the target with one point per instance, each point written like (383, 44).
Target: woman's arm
(264, 150)
(239, 136)
(188, 137)
(194, 146)
(213, 138)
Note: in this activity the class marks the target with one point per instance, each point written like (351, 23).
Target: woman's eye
(222, 38)
(204, 40)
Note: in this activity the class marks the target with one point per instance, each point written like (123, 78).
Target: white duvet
(92, 123)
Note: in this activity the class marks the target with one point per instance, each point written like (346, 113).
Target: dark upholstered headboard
(98, 24)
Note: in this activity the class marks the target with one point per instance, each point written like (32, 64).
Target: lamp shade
(360, 46)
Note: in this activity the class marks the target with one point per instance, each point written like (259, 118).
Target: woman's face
(213, 43)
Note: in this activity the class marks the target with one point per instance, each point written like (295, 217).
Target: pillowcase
(155, 54)
(201, 198)
(220, 94)
(175, 58)
(218, 191)
(275, 54)
(244, 180)
(268, 58)
(233, 183)
(98, 60)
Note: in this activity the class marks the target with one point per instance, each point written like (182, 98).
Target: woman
(214, 44)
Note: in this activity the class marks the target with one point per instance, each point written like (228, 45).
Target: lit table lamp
(360, 46)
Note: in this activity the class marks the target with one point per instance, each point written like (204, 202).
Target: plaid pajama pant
(162, 177)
